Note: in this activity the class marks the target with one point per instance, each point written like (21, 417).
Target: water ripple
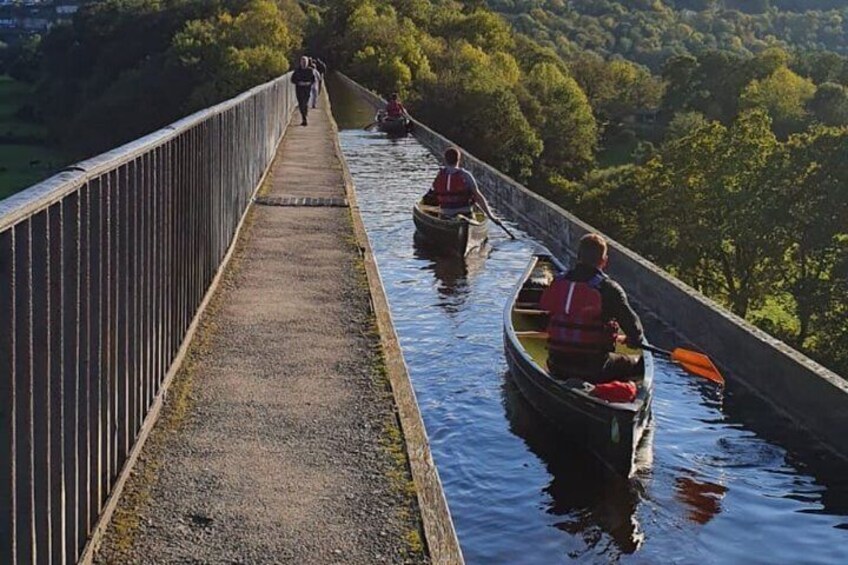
(710, 489)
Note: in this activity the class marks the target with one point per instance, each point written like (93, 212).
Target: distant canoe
(612, 431)
(395, 127)
(449, 235)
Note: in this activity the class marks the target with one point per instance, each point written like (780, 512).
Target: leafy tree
(488, 121)
(830, 104)
(228, 54)
(815, 177)
(784, 95)
(713, 193)
(684, 124)
(567, 127)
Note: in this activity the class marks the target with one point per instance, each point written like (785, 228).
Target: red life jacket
(394, 109)
(576, 324)
(452, 190)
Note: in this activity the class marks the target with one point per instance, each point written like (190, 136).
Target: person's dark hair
(592, 249)
(393, 96)
(452, 155)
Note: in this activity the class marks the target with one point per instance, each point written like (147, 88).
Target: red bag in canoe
(615, 391)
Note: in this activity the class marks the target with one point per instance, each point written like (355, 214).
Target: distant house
(645, 116)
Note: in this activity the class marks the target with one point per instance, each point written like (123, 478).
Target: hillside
(651, 31)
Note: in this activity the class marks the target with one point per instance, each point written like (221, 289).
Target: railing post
(8, 506)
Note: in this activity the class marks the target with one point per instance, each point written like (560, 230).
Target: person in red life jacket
(586, 311)
(394, 108)
(455, 189)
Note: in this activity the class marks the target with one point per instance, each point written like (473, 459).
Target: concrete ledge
(807, 393)
(442, 543)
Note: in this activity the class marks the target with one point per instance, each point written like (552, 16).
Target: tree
(784, 95)
(815, 177)
(228, 54)
(829, 105)
(713, 192)
(487, 121)
(567, 127)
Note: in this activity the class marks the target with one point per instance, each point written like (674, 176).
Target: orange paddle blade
(698, 364)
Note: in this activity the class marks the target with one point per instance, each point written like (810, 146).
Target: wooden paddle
(694, 362)
(369, 126)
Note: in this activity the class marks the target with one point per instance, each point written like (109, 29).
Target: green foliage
(227, 54)
(829, 105)
(711, 190)
(566, 125)
(784, 96)
(618, 88)
(170, 57)
(650, 32)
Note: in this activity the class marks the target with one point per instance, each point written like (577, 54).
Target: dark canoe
(612, 431)
(448, 235)
(392, 126)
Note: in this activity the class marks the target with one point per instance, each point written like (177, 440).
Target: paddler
(587, 310)
(455, 189)
(394, 108)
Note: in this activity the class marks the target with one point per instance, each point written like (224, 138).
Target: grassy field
(22, 163)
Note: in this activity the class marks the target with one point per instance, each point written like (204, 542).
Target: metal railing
(102, 269)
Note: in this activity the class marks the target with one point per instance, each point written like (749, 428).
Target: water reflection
(587, 498)
(703, 499)
(453, 274)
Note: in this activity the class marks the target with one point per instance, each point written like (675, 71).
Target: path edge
(439, 533)
(99, 531)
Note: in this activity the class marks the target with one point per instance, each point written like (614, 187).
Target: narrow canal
(713, 485)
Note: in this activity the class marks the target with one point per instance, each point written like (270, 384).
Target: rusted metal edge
(439, 532)
(49, 191)
(96, 536)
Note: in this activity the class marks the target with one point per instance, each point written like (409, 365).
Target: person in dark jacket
(587, 310)
(303, 78)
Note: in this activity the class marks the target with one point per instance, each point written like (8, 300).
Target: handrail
(42, 194)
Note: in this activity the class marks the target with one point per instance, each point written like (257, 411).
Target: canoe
(612, 431)
(396, 127)
(453, 236)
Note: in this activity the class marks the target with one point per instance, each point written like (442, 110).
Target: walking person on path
(303, 78)
(316, 86)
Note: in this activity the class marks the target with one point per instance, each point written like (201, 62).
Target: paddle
(498, 223)
(694, 362)
(503, 227)
(369, 126)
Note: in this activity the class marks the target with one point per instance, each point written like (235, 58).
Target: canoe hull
(611, 431)
(393, 127)
(450, 236)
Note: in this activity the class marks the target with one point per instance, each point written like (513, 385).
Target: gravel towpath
(279, 442)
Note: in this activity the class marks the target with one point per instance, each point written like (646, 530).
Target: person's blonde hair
(592, 249)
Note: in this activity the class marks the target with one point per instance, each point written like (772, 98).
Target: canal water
(719, 480)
